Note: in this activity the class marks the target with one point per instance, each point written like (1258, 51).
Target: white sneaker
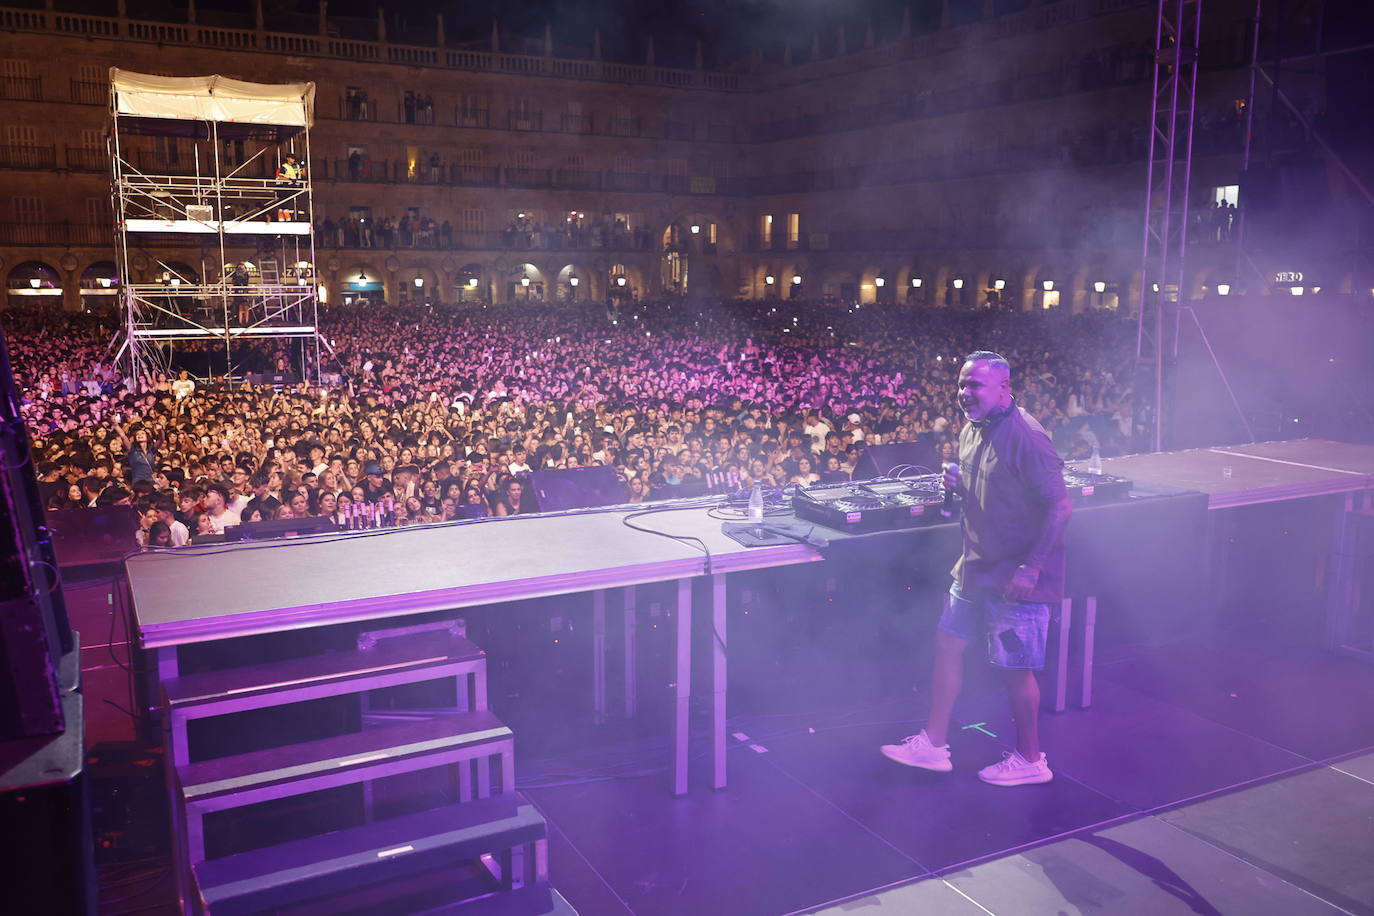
(1015, 770)
(917, 751)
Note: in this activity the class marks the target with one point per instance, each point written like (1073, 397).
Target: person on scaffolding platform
(290, 175)
(1015, 513)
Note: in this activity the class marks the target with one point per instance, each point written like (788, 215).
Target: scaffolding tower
(219, 165)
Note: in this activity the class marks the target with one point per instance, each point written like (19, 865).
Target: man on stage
(1015, 512)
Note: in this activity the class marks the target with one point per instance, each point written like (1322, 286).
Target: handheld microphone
(947, 506)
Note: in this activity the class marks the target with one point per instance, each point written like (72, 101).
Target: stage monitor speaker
(678, 490)
(278, 528)
(577, 488)
(47, 853)
(898, 459)
(99, 535)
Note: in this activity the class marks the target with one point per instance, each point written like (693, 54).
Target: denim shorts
(1016, 631)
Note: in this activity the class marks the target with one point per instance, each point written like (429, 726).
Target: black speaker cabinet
(898, 459)
(577, 488)
(47, 854)
(88, 536)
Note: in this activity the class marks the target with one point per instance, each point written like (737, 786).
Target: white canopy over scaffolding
(218, 168)
(212, 98)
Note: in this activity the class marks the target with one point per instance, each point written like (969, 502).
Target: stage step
(389, 662)
(333, 863)
(529, 901)
(468, 740)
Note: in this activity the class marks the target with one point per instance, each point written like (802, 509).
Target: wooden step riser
(180, 716)
(272, 900)
(196, 809)
(291, 690)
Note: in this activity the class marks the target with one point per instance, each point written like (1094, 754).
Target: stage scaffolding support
(1168, 179)
(202, 163)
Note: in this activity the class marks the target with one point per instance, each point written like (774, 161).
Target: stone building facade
(998, 160)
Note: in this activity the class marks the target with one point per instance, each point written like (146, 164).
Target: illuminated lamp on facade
(1048, 286)
(999, 284)
(915, 282)
(619, 281)
(879, 282)
(1223, 289)
(958, 283)
(768, 279)
(1099, 286)
(796, 279)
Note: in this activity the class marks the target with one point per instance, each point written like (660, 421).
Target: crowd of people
(437, 414)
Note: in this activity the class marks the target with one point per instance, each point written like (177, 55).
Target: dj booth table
(220, 592)
(1135, 554)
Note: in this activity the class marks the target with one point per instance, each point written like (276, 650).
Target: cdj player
(873, 505)
(911, 502)
(1087, 487)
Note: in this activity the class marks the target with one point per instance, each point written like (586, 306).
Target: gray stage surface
(223, 590)
(1259, 473)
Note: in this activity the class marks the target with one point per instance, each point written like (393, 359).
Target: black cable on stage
(693, 540)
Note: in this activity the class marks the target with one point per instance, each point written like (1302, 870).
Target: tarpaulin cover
(212, 98)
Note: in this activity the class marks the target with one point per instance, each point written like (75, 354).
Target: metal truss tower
(205, 162)
(1168, 180)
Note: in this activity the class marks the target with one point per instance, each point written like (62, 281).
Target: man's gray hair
(991, 358)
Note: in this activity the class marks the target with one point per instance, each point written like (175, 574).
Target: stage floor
(1203, 780)
(1210, 776)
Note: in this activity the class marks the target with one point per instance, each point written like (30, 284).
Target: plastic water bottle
(1095, 462)
(756, 504)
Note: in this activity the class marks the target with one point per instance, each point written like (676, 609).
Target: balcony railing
(479, 176)
(577, 179)
(86, 159)
(88, 93)
(575, 124)
(529, 178)
(628, 181)
(347, 234)
(360, 169)
(28, 157)
(22, 88)
(472, 117)
(357, 108)
(60, 233)
(525, 120)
